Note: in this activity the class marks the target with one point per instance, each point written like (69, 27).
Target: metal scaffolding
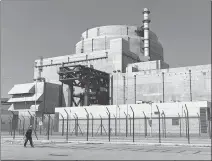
(94, 82)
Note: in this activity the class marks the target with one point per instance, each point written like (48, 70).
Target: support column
(71, 91)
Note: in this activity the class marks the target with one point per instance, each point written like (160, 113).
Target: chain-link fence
(129, 128)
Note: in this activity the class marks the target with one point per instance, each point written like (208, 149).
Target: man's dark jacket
(29, 133)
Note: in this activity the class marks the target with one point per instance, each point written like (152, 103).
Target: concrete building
(6, 115)
(133, 57)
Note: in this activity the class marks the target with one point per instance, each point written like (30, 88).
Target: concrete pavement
(80, 151)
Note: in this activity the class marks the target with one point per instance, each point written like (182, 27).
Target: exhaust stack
(146, 22)
(40, 68)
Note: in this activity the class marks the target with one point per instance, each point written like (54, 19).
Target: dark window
(175, 121)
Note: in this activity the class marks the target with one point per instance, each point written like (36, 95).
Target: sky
(49, 28)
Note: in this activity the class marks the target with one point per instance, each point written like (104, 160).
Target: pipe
(146, 22)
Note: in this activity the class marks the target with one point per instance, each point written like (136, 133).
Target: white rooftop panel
(22, 88)
(35, 97)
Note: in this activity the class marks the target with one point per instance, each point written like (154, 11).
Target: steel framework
(94, 82)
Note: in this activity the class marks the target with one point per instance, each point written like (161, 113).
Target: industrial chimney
(146, 22)
(40, 68)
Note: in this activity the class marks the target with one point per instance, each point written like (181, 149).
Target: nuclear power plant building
(114, 65)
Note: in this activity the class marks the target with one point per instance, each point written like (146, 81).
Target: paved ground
(129, 139)
(76, 151)
(99, 148)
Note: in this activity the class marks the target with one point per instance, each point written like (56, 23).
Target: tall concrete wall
(149, 85)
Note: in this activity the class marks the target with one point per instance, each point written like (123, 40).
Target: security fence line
(135, 127)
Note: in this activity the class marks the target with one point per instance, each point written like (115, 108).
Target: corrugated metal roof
(22, 89)
(35, 97)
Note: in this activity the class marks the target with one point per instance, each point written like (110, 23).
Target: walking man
(28, 136)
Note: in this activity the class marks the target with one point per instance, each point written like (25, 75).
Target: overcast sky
(31, 28)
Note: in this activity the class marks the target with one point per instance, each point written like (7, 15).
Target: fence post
(180, 123)
(188, 124)
(10, 122)
(76, 124)
(130, 124)
(101, 124)
(87, 122)
(62, 125)
(126, 123)
(199, 124)
(23, 124)
(48, 125)
(66, 125)
(162, 119)
(119, 122)
(13, 125)
(115, 125)
(51, 124)
(92, 123)
(145, 125)
(108, 113)
(19, 127)
(164, 123)
(159, 123)
(133, 124)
